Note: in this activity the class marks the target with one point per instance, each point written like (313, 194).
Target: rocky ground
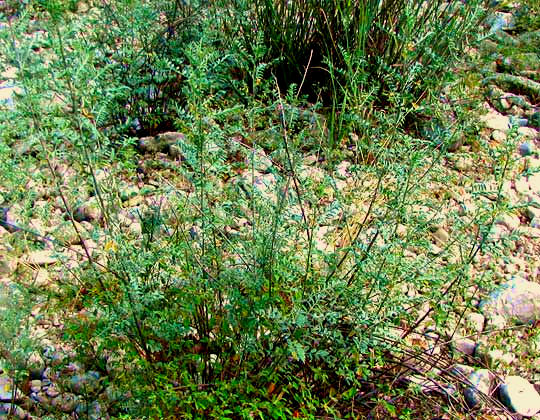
(494, 347)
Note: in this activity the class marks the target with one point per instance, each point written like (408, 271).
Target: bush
(245, 292)
(139, 49)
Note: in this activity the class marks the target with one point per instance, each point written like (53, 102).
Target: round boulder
(517, 299)
(479, 387)
(520, 396)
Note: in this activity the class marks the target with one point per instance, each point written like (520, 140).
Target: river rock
(41, 398)
(520, 396)
(497, 357)
(521, 122)
(258, 160)
(8, 264)
(41, 258)
(264, 184)
(464, 163)
(522, 186)
(85, 383)
(89, 211)
(35, 385)
(461, 371)
(464, 345)
(528, 133)
(92, 411)
(65, 402)
(36, 365)
(498, 232)
(66, 233)
(498, 136)
(54, 358)
(476, 321)
(41, 278)
(441, 236)
(7, 390)
(532, 212)
(162, 143)
(496, 121)
(8, 219)
(510, 221)
(7, 92)
(501, 21)
(526, 149)
(24, 147)
(496, 322)
(534, 182)
(342, 170)
(429, 386)
(52, 391)
(13, 410)
(517, 299)
(479, 385)
(128, 192)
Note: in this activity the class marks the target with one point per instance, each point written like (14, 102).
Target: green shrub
(139, 49)
(135, 57)
(225, 304)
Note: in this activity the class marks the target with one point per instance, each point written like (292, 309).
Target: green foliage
(528, 16)
(138, 50)
(226, 302)
(16, 343)
(354, 56)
